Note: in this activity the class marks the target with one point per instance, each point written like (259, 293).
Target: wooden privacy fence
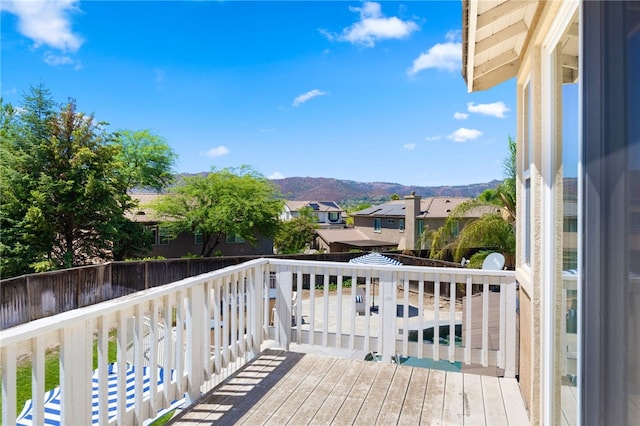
(30, 297)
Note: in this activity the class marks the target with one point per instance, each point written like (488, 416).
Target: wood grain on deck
(288, 388)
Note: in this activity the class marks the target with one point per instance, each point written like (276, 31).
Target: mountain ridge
(345, 191)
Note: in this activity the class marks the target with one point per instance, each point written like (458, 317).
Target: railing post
(284, 283)
(511, 316)
(388, 312)
(75, 375)
(256, 306)
(8, 364)
(195, 348)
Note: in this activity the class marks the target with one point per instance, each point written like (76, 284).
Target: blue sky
(365, 91)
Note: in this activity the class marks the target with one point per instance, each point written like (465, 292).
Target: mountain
(348, 191)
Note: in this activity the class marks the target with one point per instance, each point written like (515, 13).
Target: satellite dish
(495, 262)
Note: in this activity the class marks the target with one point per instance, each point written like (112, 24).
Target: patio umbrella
(52, 397)
(374, 258)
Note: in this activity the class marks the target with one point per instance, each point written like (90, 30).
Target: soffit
(495, 34)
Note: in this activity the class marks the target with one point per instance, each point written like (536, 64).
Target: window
(163, 237)
(235, 238)
(390, 221)
(199, 237)
(334, 216)
(570, 224)
(526, 174)
(611, 244)
(455, 228)
(377, 224)
(154, 234)
(420, 227)
(401, 225)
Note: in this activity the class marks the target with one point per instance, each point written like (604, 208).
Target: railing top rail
(404, 268)
(31, 329)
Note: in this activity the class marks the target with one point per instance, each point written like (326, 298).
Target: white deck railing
(203, 328)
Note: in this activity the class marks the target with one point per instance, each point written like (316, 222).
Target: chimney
(411, 210)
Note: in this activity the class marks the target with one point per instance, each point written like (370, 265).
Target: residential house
(188, 243)
(328, 214)
(401, 222)
(576, 66)
(346, 239)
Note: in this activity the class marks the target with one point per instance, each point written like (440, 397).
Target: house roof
(441, 207)
(392, 208)
(430, 207)
(495, 34)
(351, 237)
(318, 206)
(143, 213)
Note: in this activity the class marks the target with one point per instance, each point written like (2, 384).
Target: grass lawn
(51, 371)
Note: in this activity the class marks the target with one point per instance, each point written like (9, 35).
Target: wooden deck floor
(279, 388)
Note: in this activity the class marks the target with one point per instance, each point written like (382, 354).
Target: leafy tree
(76, 196)
(233, 201)
(395, 197)
(64, 184)
(145, 159)
(295, 235)
(495, 230)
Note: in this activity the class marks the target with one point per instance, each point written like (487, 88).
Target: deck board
(452, 409)
(493, 403)
(375, 397)
(280, 388)
(473, 405)
(306, 413)
(414, 399)
(513, 402)
(393, 403)
(333, 403)
(262, 407)
(434, 398)
(350, 408)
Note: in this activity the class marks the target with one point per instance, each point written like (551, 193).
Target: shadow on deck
(280, 387)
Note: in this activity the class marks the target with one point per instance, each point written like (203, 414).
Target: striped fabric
(52, 398)
(375, 258)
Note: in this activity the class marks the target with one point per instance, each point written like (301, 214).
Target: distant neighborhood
(395, 225)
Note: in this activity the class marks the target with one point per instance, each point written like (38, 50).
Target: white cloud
(373, 26)
(54, 60)
(409, 146)
(306, 96)
(46, 22)
(496, 109)
(453, 35)
(464, 135)
(444, 56)
(460, 115)
(218, 151)
(276, 175)
(433, 138)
